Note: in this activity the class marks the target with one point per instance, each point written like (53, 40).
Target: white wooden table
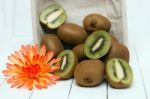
(16, 29)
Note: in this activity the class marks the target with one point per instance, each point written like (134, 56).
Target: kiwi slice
(119, 73)
(97, 44)
(89, 73)
(68, 63)
(53, 16)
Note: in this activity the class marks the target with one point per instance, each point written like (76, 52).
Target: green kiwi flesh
(119, 73)
(97, 44)
(68, 63)
(53, 16)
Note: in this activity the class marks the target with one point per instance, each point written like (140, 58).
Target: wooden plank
(10, 46)
(142, 49)
(98, 92)
(58, 91)
(137, 88)
(22, 17)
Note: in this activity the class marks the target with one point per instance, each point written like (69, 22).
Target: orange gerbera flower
(31, 68)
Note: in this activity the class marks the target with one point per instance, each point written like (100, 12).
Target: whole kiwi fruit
(94, 22)
(117, 50)
(68, 63)
(72, 33)
(89, 73)
(113, 38)
(79, 51)
(119, 73)
(52, 43)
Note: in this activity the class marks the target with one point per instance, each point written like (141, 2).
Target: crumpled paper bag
(77, 9)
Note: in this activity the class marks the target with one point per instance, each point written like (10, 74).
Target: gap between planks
(140, 70)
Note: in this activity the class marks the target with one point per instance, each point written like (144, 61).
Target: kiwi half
(68, 64)
(53, 16)
(89, 73)
(97, 44)
(119, 73)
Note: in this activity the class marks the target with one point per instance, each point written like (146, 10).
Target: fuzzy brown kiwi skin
(72, 33)
(52, 43)
(94, 22)
(113, 38)
(71, 73)
(79, 51)
(89, 73)
(117, 50)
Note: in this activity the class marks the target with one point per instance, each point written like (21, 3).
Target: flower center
(32, 70)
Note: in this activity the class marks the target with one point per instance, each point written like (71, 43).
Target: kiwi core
(98, 44)
(119, 70)
(64, 62)
(51, 17)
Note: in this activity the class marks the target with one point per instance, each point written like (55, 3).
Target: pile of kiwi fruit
(90, 53)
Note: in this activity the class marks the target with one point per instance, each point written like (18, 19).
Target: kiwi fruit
(79, 51)
(72, 33)
(94, 22)
(89, 73)
(68, 63)
(119, 73)
(52, 16)
(97, 44)
(117, 50)
(52, 43)
(113, 38)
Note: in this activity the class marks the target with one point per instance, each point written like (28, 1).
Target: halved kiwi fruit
(97, 44)
(119, 73)
(117, 50)
(53, 16)
(68, 63)
(89, 73)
